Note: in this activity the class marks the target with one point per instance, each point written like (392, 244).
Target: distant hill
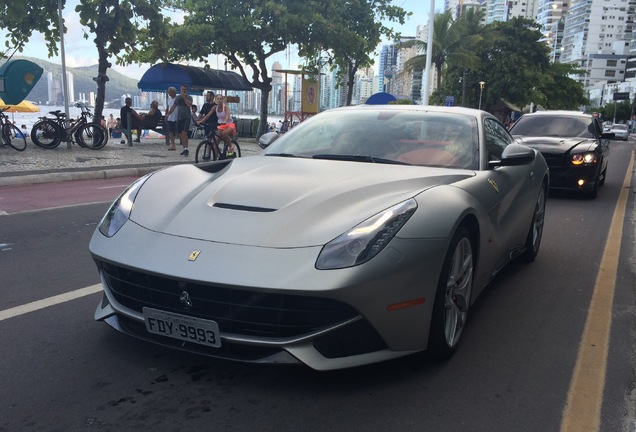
(117, 85)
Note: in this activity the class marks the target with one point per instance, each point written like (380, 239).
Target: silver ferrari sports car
(361, 235)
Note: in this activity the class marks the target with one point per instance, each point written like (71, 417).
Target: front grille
(236, 311)
(555, 160)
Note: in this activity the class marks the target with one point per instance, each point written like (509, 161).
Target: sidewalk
(37, 165)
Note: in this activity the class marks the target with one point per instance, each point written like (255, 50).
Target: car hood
(557, 144)
(277, 202)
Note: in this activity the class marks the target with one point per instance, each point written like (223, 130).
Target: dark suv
(572, 143)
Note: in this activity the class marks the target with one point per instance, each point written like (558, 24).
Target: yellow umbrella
(25, 107)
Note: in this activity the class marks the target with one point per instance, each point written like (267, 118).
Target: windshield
(553, 126)
(384, 136)
(619, 127)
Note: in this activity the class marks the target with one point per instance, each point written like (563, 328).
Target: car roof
(560, 113)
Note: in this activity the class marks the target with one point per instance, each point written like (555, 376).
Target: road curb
(105, 173)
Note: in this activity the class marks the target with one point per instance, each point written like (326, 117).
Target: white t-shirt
(173, 116)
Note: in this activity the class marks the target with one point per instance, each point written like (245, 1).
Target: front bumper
(276, 307)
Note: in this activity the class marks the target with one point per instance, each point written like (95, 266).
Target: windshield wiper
(358, 158)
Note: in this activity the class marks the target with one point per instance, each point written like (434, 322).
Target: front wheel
(14, 136)
(452, 299)
(533, 241)
(46, 134)
(206, 151)
(92, 135)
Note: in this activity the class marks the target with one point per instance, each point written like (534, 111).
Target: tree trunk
(263, 125)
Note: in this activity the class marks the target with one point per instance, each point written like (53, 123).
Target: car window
(413, 137)
(554, 126)
(497, 139)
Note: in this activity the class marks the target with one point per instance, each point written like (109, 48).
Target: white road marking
(47, 302)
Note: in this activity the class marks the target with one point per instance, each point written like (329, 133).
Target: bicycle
(208, 149)
(11, 135)
(49, 133)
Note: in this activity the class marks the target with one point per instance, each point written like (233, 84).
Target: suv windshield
(553, 126)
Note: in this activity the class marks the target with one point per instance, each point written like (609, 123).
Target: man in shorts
(183, 107)
(171, 120)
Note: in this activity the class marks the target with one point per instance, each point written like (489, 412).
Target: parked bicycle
(11, 135)
(49, 133)
(208, 149)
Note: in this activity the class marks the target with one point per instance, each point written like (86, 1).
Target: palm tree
(454, 43)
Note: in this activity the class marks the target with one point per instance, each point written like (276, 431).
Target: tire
(204, 149)
(452, 299)
(13, 136)
(50, 134)
(92, 135)
(535, 233)
(603, 175)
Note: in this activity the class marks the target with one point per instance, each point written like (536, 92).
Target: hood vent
(244, 208)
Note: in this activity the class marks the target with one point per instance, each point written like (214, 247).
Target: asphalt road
(61, 371)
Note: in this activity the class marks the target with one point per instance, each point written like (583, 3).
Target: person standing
(112, 124)
(171, 119)
(183, 107)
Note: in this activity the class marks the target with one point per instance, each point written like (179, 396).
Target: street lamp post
(481, 90)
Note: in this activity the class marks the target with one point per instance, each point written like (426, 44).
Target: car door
(513, 202)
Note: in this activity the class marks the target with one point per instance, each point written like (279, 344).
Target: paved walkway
(37, 165)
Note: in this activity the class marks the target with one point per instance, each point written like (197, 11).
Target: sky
(82, 52)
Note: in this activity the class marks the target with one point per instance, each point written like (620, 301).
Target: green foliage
(21, 18)
(454, 44)
(116, 26)
(347, 34)
(249, 32)
(624, 110)
(402, 102)
(558, 90)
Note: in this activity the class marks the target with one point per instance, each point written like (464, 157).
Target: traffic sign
(621, 96)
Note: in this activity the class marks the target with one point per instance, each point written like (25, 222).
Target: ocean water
(28, 119)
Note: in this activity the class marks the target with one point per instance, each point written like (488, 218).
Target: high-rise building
(596, 38)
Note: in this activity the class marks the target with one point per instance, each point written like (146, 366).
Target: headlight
(584, 158)
(366, 240)
(119, 211)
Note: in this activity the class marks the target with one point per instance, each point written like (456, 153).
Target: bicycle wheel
(14, 136)
(205, 152)
(92, 135)
(46, 134)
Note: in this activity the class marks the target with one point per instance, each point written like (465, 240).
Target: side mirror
(514, 155)
(267, 139)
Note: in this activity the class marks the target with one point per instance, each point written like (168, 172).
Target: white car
(620, 131)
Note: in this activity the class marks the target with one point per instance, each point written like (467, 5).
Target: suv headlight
(584, 159)
(119, 211)
(365, 240)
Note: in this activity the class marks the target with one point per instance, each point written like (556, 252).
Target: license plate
(190, 329)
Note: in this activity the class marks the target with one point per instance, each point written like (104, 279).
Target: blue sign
(450, 101)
